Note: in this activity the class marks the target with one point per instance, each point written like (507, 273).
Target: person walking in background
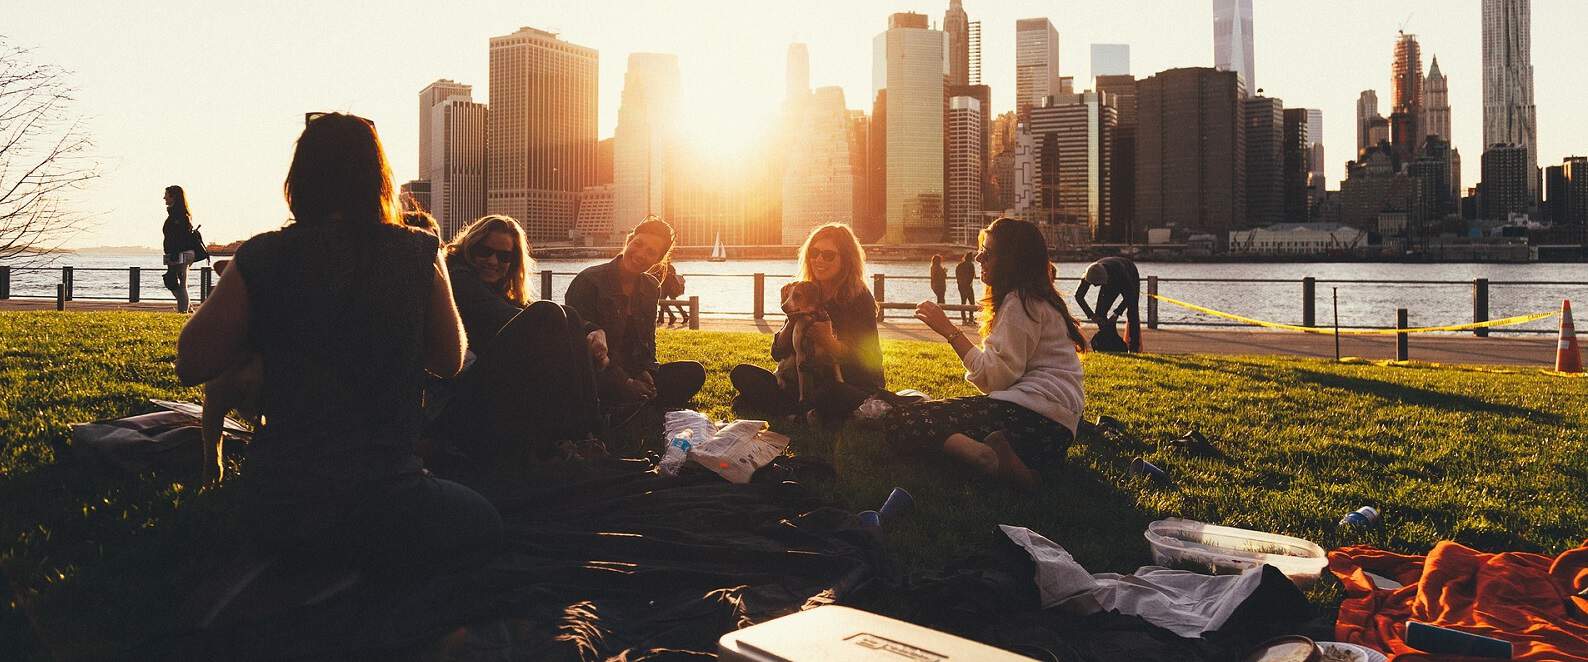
(939, 279)
(1028, 364)
(1119, 280)
(177, 245)
(965, 277)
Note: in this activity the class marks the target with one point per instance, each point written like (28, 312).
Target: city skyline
(245, 123)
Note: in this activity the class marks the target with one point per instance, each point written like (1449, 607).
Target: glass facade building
(909, 69)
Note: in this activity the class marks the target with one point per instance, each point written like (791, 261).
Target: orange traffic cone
(1568, 358)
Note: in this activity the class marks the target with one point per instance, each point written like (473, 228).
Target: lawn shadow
(1422, 397)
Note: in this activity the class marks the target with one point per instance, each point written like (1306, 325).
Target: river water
(727, 289)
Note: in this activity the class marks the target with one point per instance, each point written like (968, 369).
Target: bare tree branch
(44, 157)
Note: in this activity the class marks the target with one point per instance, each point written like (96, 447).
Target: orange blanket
(1530, 600)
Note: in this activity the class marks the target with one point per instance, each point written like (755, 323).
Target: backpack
(199, 251)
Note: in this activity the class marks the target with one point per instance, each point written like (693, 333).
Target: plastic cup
(898, 503)
(869, 519)
(1142, 467)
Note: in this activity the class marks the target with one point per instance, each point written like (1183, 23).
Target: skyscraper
(541, 141)
(908, 72)
(1317, 170)
(1190, 152)
(1503, 190)
(433, 94)
(974, 47)
(1232, 40)
(1110, 60)
(1436, 95)
(966, 167)
(1081, 127)
(798, 75)
(1406, 97)
(457, 163)
(645, 138)
(1508, 112)
(1298, 165)
(1265, 160)
(1023, 184)
(818, 177)
(1121, 92)
(1366, 111)
(957, 25)
(1574, 207)
(1036, 62)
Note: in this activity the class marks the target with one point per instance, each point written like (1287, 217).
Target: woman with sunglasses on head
(832, 259)
(530, 392)
(1028, 365)
(347, 309)
(620, 298)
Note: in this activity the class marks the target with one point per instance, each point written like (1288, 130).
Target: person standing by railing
(939, 280)
(965, 277)
(177, 244)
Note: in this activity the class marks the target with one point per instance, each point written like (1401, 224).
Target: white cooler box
(840, 634)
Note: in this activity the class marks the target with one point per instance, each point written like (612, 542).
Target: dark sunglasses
(824, 255)
(312, 116)
(481, 251)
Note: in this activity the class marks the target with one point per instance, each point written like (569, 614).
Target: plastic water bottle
(1363, 517)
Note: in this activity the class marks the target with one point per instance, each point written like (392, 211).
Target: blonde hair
(852, 280)
(515, 286)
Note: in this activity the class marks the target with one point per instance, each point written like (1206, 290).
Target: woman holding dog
(1027, 365)
(530, 392)
(347, 309)
(620, 299)
(832, 259)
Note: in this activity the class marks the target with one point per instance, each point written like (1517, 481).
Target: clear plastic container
(1192, 545)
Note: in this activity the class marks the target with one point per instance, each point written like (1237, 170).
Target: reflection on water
(726, 288)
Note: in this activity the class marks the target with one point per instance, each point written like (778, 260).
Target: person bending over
(1028, 366)
(619, 298)
(530, 392)
(832, 259)
(1119, 281)
(346, 309)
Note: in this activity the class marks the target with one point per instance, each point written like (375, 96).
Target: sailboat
(718, 253)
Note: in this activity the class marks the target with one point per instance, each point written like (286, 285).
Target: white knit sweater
(1028, 359)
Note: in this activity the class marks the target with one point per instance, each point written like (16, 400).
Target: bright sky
(211, 94)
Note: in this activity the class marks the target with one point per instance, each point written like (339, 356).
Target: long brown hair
(515, 285)
(852, 282)
(339, 173)
(178, 202)
(1022, 266)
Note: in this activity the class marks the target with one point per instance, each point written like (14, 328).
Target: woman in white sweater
(1028, 366)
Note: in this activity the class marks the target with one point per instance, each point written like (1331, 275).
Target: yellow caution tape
(1519, 319)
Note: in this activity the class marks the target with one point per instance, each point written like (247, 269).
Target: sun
(716, 130)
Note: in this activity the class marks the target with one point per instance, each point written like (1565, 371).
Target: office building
(593, 222)
(1317, 170)
(431, 95)
(1574, 211)
(1436, 94)
(1265, 160)
(1190, 152)
(1297, 170)
(1110, 60)
(1406, 97)
(957, 26)
(1503, 190)
(909, 67)
(1076, 171)
(1036, 62)
(966, 168)
(541, 141)
(645, 138)
(1366, 113)
(457, 163)
(818, 177)
(415, 195)
(1508, 112)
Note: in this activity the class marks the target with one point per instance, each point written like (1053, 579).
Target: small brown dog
(237, 388)
(811, 368)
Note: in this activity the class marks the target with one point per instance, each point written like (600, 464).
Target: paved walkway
(1529, 350)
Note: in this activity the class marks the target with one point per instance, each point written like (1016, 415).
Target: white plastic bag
(677, 421)
(739, 449)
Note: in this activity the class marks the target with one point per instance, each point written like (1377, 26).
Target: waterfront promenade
(1531, 351)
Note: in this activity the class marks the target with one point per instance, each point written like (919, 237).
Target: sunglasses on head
(309, 118)
(823, 254)
(481, 251)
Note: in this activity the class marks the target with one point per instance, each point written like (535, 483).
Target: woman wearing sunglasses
(530, 392)
(832, 258)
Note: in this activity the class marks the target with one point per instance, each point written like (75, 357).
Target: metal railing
(1480, 288)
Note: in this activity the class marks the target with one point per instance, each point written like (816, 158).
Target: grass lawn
(1491, 459)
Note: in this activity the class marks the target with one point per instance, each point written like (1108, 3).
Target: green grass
(1491, 459)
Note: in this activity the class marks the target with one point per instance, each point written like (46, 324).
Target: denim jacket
(628, 320)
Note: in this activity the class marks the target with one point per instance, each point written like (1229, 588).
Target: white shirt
(1029, 360)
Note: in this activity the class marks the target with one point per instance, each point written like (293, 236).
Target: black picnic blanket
(611, 560)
